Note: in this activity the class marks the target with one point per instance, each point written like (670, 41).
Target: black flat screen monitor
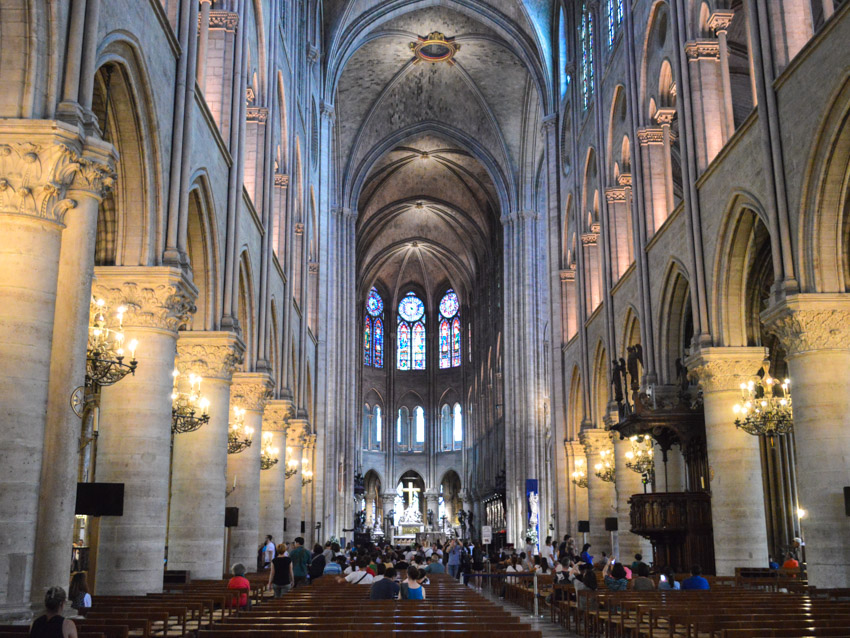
(100, 499)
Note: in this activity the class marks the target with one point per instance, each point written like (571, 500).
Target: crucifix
(410, 491)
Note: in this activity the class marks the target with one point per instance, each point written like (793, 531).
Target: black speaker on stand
(611, 528)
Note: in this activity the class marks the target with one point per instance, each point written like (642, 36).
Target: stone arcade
(457, 246)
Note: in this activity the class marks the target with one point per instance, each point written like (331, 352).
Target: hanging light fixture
(640, 458)
(268, 453)
(106, 350)
(605, 467)
(306, 474)
(291, 464)
(239, 435)
(579, 477)
(189, 410)
(765, 407)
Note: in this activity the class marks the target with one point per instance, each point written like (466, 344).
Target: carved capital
(227, 20)
(615, 195)
(299, 229)
(257, 114)
(624, 180)
(574, 449)
(312, 54)
(327, 111)
(595, 440)
(154, 296)
(724, 369)
(665, 115)
(702, 50)
(809, 322)
(276, 416)
(281, 180)
(251, 390)
(647, 136)
(568, 275)
(299, 429)
(313, 268)
(548, 124)
(211, 355)
(720, 20)
(589, 239)
(41, 161)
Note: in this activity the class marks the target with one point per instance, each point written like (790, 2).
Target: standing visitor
(268, 552)
(454, 559)
(410, 588)
(280, 576)
(300, 560)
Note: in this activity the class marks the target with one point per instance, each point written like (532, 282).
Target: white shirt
(360, 578)
(268, 552)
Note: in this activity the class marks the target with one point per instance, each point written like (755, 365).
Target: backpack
(317, 566)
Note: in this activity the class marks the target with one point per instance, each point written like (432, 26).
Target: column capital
(650, 135)
(211, 355)
(155, 296)
(720, 20)
(589, 239)
(281, 180)
(615, 195)
(312, 267)
(595, 440)
(299, 229)
(574, 449)
(327, 110)
(719, 369)
(665, 115)
(549, 122)
(702, 50)
(42, 160)
(624, 180)
(808, 322)
(568, 274)
(276, 416)
(257, 114)
(227, 20)
(251, 390)
(298, 430)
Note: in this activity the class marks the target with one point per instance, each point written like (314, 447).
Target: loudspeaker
(231, 517)
(847, 501)
(303, 527)
(611, 524)
(100, 499)
(583, 526)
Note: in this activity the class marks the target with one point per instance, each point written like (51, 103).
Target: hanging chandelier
(239, 435)
(105, 351)
(268, 453)
(579, 477)
(605, 467)
(640, 458)
(189, 410)
(291, 464)
(306, 474)
(765, 407)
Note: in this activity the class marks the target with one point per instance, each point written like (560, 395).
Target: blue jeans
(453, 571)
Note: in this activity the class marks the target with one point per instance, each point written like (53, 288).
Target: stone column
(593, 267)
(576, 460)
(432, 503)
(307, 500)
(250, 391)
(737, 497)
(709, 109)
(815, 331)
(203, 42)
(38, 162)
(720, 21)
(294, 490)
(569, 299)
(657, 193)
(199, 463)
(67, 369)
(601, 495)
(620, 235)
(272, 480)
(134, 446)
(388, 500)
(627, 483)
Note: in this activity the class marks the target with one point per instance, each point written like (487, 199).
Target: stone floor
(540, 623)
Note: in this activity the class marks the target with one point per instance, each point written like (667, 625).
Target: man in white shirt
(361, 576)
(268, 552)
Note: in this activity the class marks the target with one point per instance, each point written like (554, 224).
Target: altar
(410, 523)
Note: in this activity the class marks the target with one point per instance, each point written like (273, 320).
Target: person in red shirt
(240, 582)
(790, 562)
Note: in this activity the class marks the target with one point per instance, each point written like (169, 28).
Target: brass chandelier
(239, 435)
(640, 458)
(268, 453)
(605, 467)
(189, 410)
(306, 474)
(291, 464)
(105, 352)
(765, 406)
(579, 477)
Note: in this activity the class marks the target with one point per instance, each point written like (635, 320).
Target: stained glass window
(378, 338)
(411, 333)
(615, 18)
(456, 342)
(445, 346)
(373, 331)
(403, 346)
(586, 40)
(419, 346)
(562, 53)
(450, 331)
(367, 342)
(377, 426)
(419, 428)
